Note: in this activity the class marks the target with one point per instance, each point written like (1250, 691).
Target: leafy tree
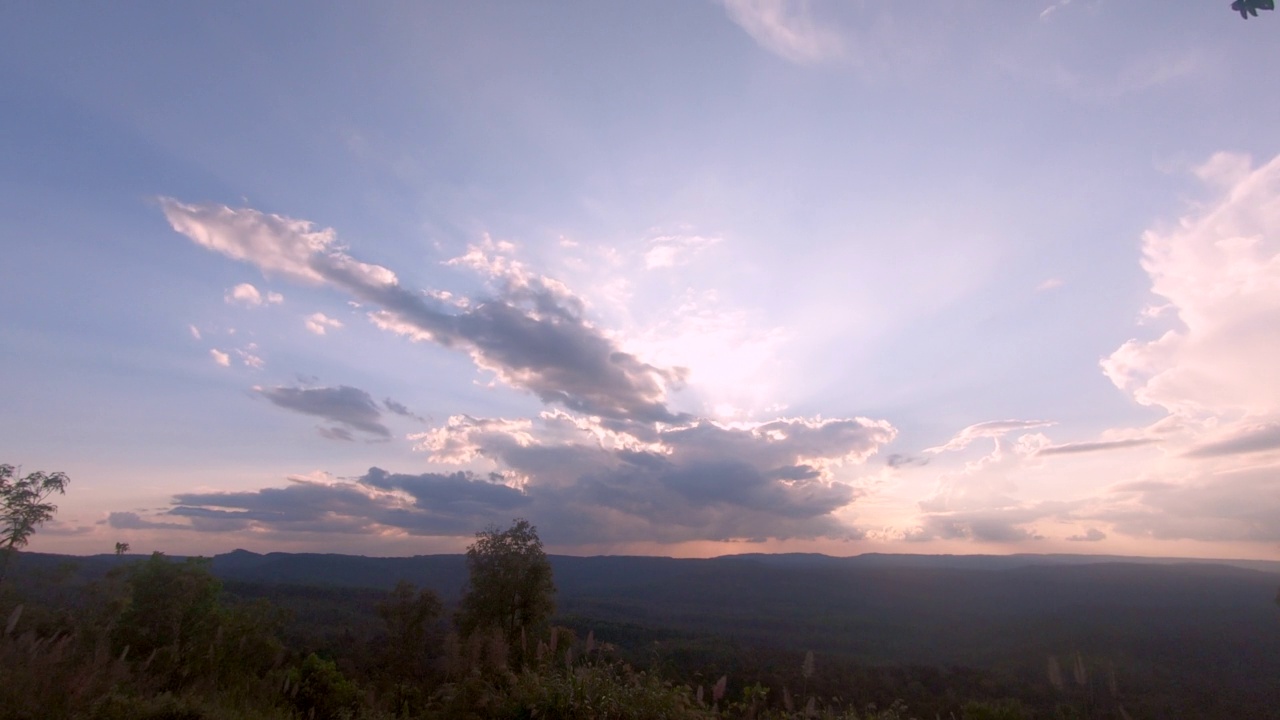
(319, 690)
(409, 615)
(172, 612)
(510, 588)
(24, 507)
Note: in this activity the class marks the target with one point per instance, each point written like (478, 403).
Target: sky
(682, 277)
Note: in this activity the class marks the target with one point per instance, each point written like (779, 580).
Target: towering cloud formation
(1210, 469)
(1216, 369)
(1218, 271)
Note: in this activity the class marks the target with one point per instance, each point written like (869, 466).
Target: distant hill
(1186, 630)
(881, 608)
(447, 574)
(989, 562)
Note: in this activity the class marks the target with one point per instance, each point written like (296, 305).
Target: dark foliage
(510, 586)
(127, 637)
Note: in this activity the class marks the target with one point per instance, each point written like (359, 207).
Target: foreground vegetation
(159, 639)
(164, 639)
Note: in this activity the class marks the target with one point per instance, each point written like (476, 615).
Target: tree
(322, 691)
(121, 549)
(23, 507)
(510, 588)
(410, 615)
(172, 610)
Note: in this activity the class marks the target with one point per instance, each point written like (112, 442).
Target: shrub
(320, 692)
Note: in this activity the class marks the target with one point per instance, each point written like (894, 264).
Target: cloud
(787, 29)
(336, 433)
(1099, 446)
(1252, 439)
(275, 244)
(1216, 276)
(703, 481)
(450, 504)
(244, 294)
(532, 334)
(1142, 486)
(457, 495)
(220, 357)
(401, 409)
(300, 506)
(248, 295)
(733, 358)
(1210, 366)
(1090, 535)
(979, 500)
(981, 485)
(1218, 269)
(319, 323)
(583, 483)
(350, 408)
(609, 462)
(1048, 11)
(1224, 170)
(195, 331)
(994, 429)
(989, 525)
(1050, 284)
(1233, 506)
(897, 460)
(134, 521)
(671, 250)
(248, 356)
(66, 529)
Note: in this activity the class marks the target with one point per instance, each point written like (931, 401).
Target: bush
(321, 692)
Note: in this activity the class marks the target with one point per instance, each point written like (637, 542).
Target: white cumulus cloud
(1218, 269)
(319, 323)
(249, 296)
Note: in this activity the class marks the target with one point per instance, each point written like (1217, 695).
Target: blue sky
(682, 278)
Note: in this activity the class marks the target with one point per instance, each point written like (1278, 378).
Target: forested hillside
(1044, 636)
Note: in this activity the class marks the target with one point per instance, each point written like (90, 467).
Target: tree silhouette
(24, 507)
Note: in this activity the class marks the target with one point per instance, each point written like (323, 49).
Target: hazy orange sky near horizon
(680, 278)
